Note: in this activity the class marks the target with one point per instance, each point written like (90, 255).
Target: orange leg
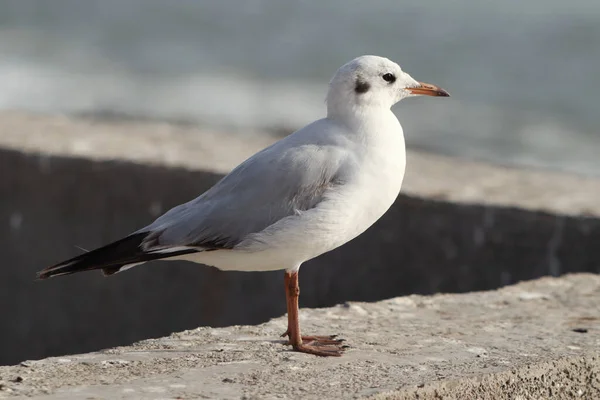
(318, 345)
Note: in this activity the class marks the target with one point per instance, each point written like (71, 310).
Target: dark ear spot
(361, 86)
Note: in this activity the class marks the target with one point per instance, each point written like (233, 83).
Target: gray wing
(286, 178)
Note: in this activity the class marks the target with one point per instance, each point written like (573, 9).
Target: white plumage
(305, 195)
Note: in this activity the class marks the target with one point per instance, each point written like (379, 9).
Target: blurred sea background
(524, 74)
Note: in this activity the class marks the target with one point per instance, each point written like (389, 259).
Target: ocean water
(524, 74)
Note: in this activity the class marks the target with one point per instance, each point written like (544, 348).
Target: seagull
(303, 196)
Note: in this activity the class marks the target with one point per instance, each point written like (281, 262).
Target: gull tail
(114, 257)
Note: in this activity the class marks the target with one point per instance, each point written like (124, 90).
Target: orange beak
(427, 89)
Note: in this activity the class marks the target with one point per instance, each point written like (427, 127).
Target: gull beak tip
(427, 89)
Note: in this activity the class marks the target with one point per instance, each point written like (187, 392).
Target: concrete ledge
(66, 182)
(189, 147)
(533, 340)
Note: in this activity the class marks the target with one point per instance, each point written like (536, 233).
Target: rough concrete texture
(49, 203)
(533, 340)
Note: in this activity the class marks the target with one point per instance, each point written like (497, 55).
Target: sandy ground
(533, 340)
(192, 147)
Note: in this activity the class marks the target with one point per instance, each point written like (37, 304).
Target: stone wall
(533, 340)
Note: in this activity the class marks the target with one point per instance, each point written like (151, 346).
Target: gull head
(371, 81)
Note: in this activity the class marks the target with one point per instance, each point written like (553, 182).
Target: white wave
(220, 100)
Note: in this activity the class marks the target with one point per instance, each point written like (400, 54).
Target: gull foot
(324, 346)
(320, 349)
(329, 339)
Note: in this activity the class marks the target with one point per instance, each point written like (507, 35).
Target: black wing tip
(113, 254)
(47, 274)
(56, 270)
(111, 258)
(41, 276)
(50, 271)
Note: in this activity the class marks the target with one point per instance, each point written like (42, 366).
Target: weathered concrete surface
(534, 340)
(60, 188)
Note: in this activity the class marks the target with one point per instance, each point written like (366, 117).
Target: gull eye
(389, 78)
